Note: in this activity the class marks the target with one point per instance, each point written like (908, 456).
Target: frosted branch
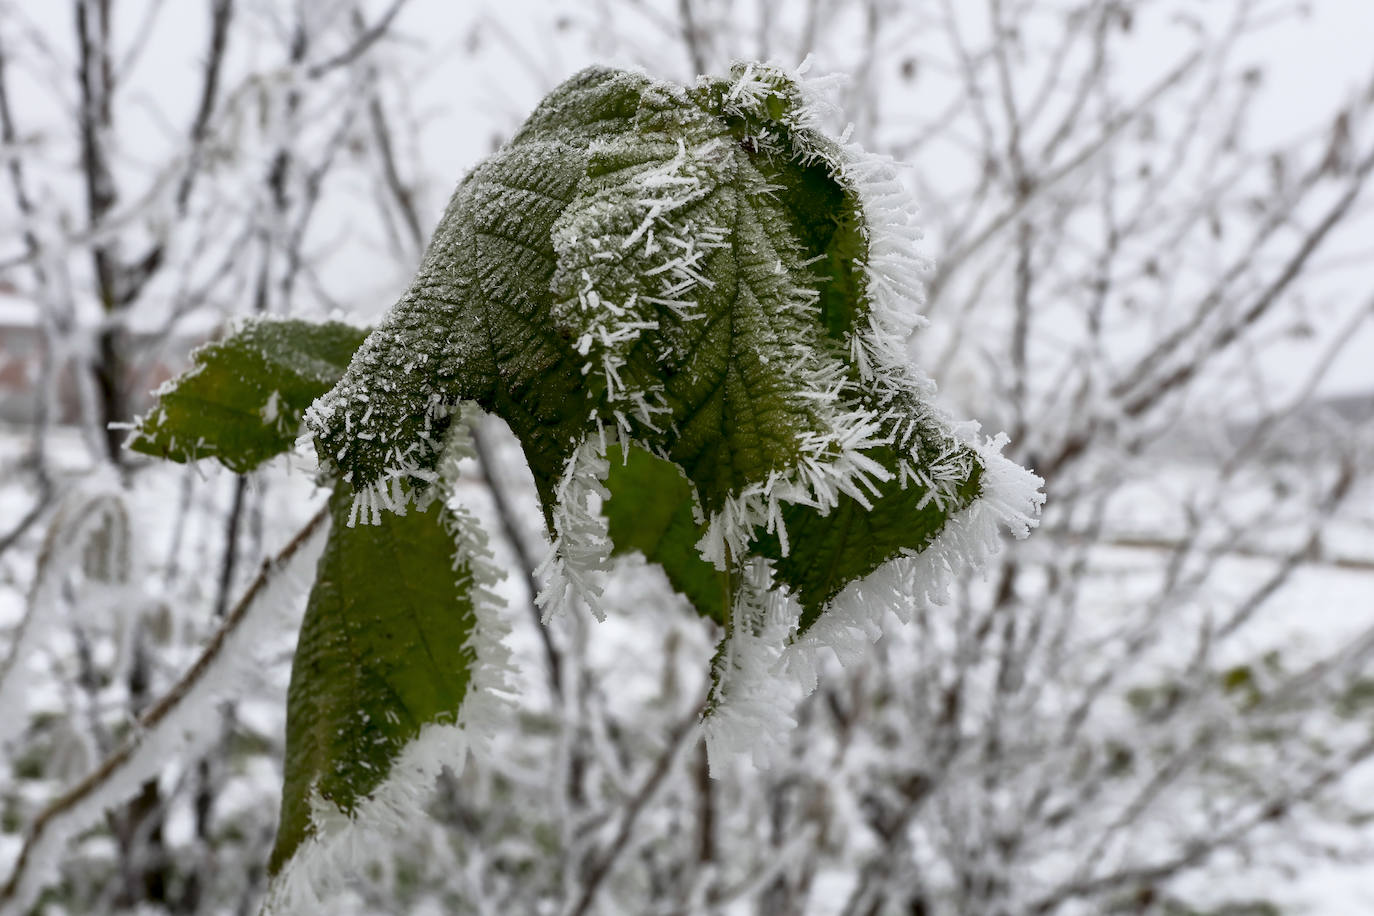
(177, 723)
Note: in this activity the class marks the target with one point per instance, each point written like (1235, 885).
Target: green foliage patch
(690, 306)
(242, 400)
(383, 651)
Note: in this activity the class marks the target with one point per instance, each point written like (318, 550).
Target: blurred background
(1151, 228)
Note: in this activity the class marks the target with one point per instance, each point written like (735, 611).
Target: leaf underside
(829, 552)
(243, 398)
(383, 650)
(650, 511)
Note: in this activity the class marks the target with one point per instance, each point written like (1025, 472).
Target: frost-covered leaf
(650, 510)
(681, 280)
(476, 323)
(702, 276)
(384, 650)
(243, 398)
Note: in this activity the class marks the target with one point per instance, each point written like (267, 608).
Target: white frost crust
(1010, 498)
(67, 541)
(575, 567)
(340, 844)
(666, 250)
(751, 711)
(189, 727)
(486, 706)
(833, 463)
(392, 491)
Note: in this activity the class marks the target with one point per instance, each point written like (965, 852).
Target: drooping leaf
(700, 327)
(243, 398)
(650, 510)
(383, 650)
(706, 277)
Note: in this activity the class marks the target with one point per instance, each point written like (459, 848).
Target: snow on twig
(177, 724)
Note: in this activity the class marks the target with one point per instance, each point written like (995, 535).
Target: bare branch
(126, 769)
(365, 40)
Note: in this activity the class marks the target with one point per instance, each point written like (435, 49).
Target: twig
(160, 710)
(221, 16)
(601, 867)
(692, 36)
(229, 558)
(360, 44)
(951, 262)
(506, 516)
(34, 513)
(1292, 269)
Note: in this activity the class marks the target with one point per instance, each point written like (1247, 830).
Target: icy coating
(363, 753)
(705, 273)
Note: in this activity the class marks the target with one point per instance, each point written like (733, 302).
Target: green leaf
(650, 510)
(825, 213)
(479, 322)
(689, 270)
(383, 651)
(476, 323)
(830, 551)
(243, 399)
(683, 276)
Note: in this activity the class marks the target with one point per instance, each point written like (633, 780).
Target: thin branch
(229, 558)
(602, 865)
(31, 517)
(221, 16)
(360, 44)
(692, 37)
(510, 529)
(15, 166)
(1302, 554)
(1197, 852)
(1292, 269)
(310, 536)
(952, 262)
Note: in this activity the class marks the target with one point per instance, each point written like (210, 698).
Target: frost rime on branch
(181, 723)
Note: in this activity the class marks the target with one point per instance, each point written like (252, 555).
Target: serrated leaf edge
(575, 566)
(764, 668)
(1009, 499)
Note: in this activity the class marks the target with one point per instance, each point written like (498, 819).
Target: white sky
(1309, 65)
(464, 102)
